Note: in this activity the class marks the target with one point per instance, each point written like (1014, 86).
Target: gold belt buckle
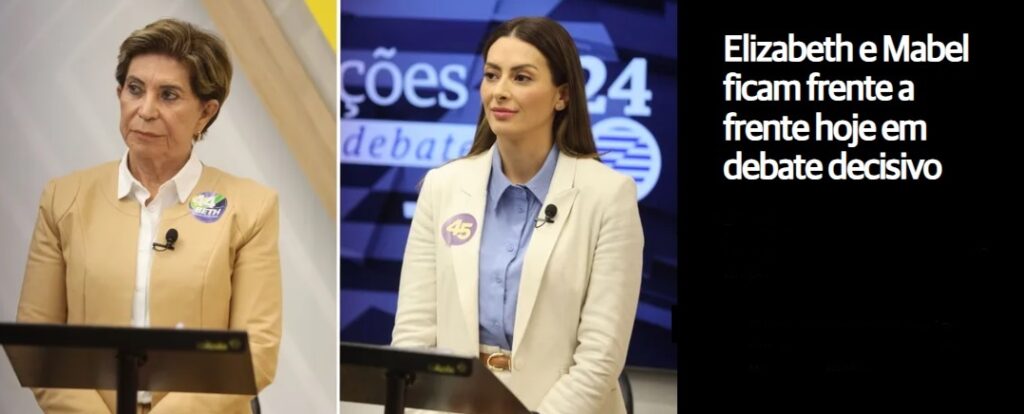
(497, 368)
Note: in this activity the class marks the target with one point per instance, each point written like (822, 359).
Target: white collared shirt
(175, 190)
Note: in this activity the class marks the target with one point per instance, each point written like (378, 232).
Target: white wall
(59, 113)
(307, 39)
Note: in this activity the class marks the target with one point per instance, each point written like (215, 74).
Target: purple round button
(459, 229)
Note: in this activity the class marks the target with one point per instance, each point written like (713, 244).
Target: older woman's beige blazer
(221, 275)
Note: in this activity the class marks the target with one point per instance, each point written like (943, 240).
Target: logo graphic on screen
(629, 148)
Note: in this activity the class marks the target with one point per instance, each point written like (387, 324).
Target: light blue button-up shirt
(507, 227)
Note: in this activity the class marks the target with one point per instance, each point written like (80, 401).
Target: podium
(398, 378)
(129, 359)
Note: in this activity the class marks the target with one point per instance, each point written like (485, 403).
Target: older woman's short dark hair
(202, 52)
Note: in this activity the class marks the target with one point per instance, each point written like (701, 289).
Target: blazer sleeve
(609, 309)
(416, 317)
(44, 297)
(255, 308)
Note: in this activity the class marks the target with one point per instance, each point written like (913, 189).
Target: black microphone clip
(549, 216)
(171, 237)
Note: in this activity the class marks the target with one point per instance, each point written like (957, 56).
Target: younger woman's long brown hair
(571, 128)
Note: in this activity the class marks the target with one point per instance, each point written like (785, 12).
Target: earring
(559, 106)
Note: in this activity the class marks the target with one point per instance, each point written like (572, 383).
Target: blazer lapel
(179, 276)
(470, 198)
(562, 194)
(109, 283)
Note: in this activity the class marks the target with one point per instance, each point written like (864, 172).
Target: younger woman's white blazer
(578, 289)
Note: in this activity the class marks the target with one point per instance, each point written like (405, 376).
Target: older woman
(104, 250)
(528, 251)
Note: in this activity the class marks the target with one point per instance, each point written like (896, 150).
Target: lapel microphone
(171, 237)
(549, 216)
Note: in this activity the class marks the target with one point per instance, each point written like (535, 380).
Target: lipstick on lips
(502, 114)
(145, 134)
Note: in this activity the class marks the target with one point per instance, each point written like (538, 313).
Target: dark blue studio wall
(410, 73)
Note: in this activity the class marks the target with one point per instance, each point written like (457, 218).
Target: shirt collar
(184, 181)
(538, 185)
